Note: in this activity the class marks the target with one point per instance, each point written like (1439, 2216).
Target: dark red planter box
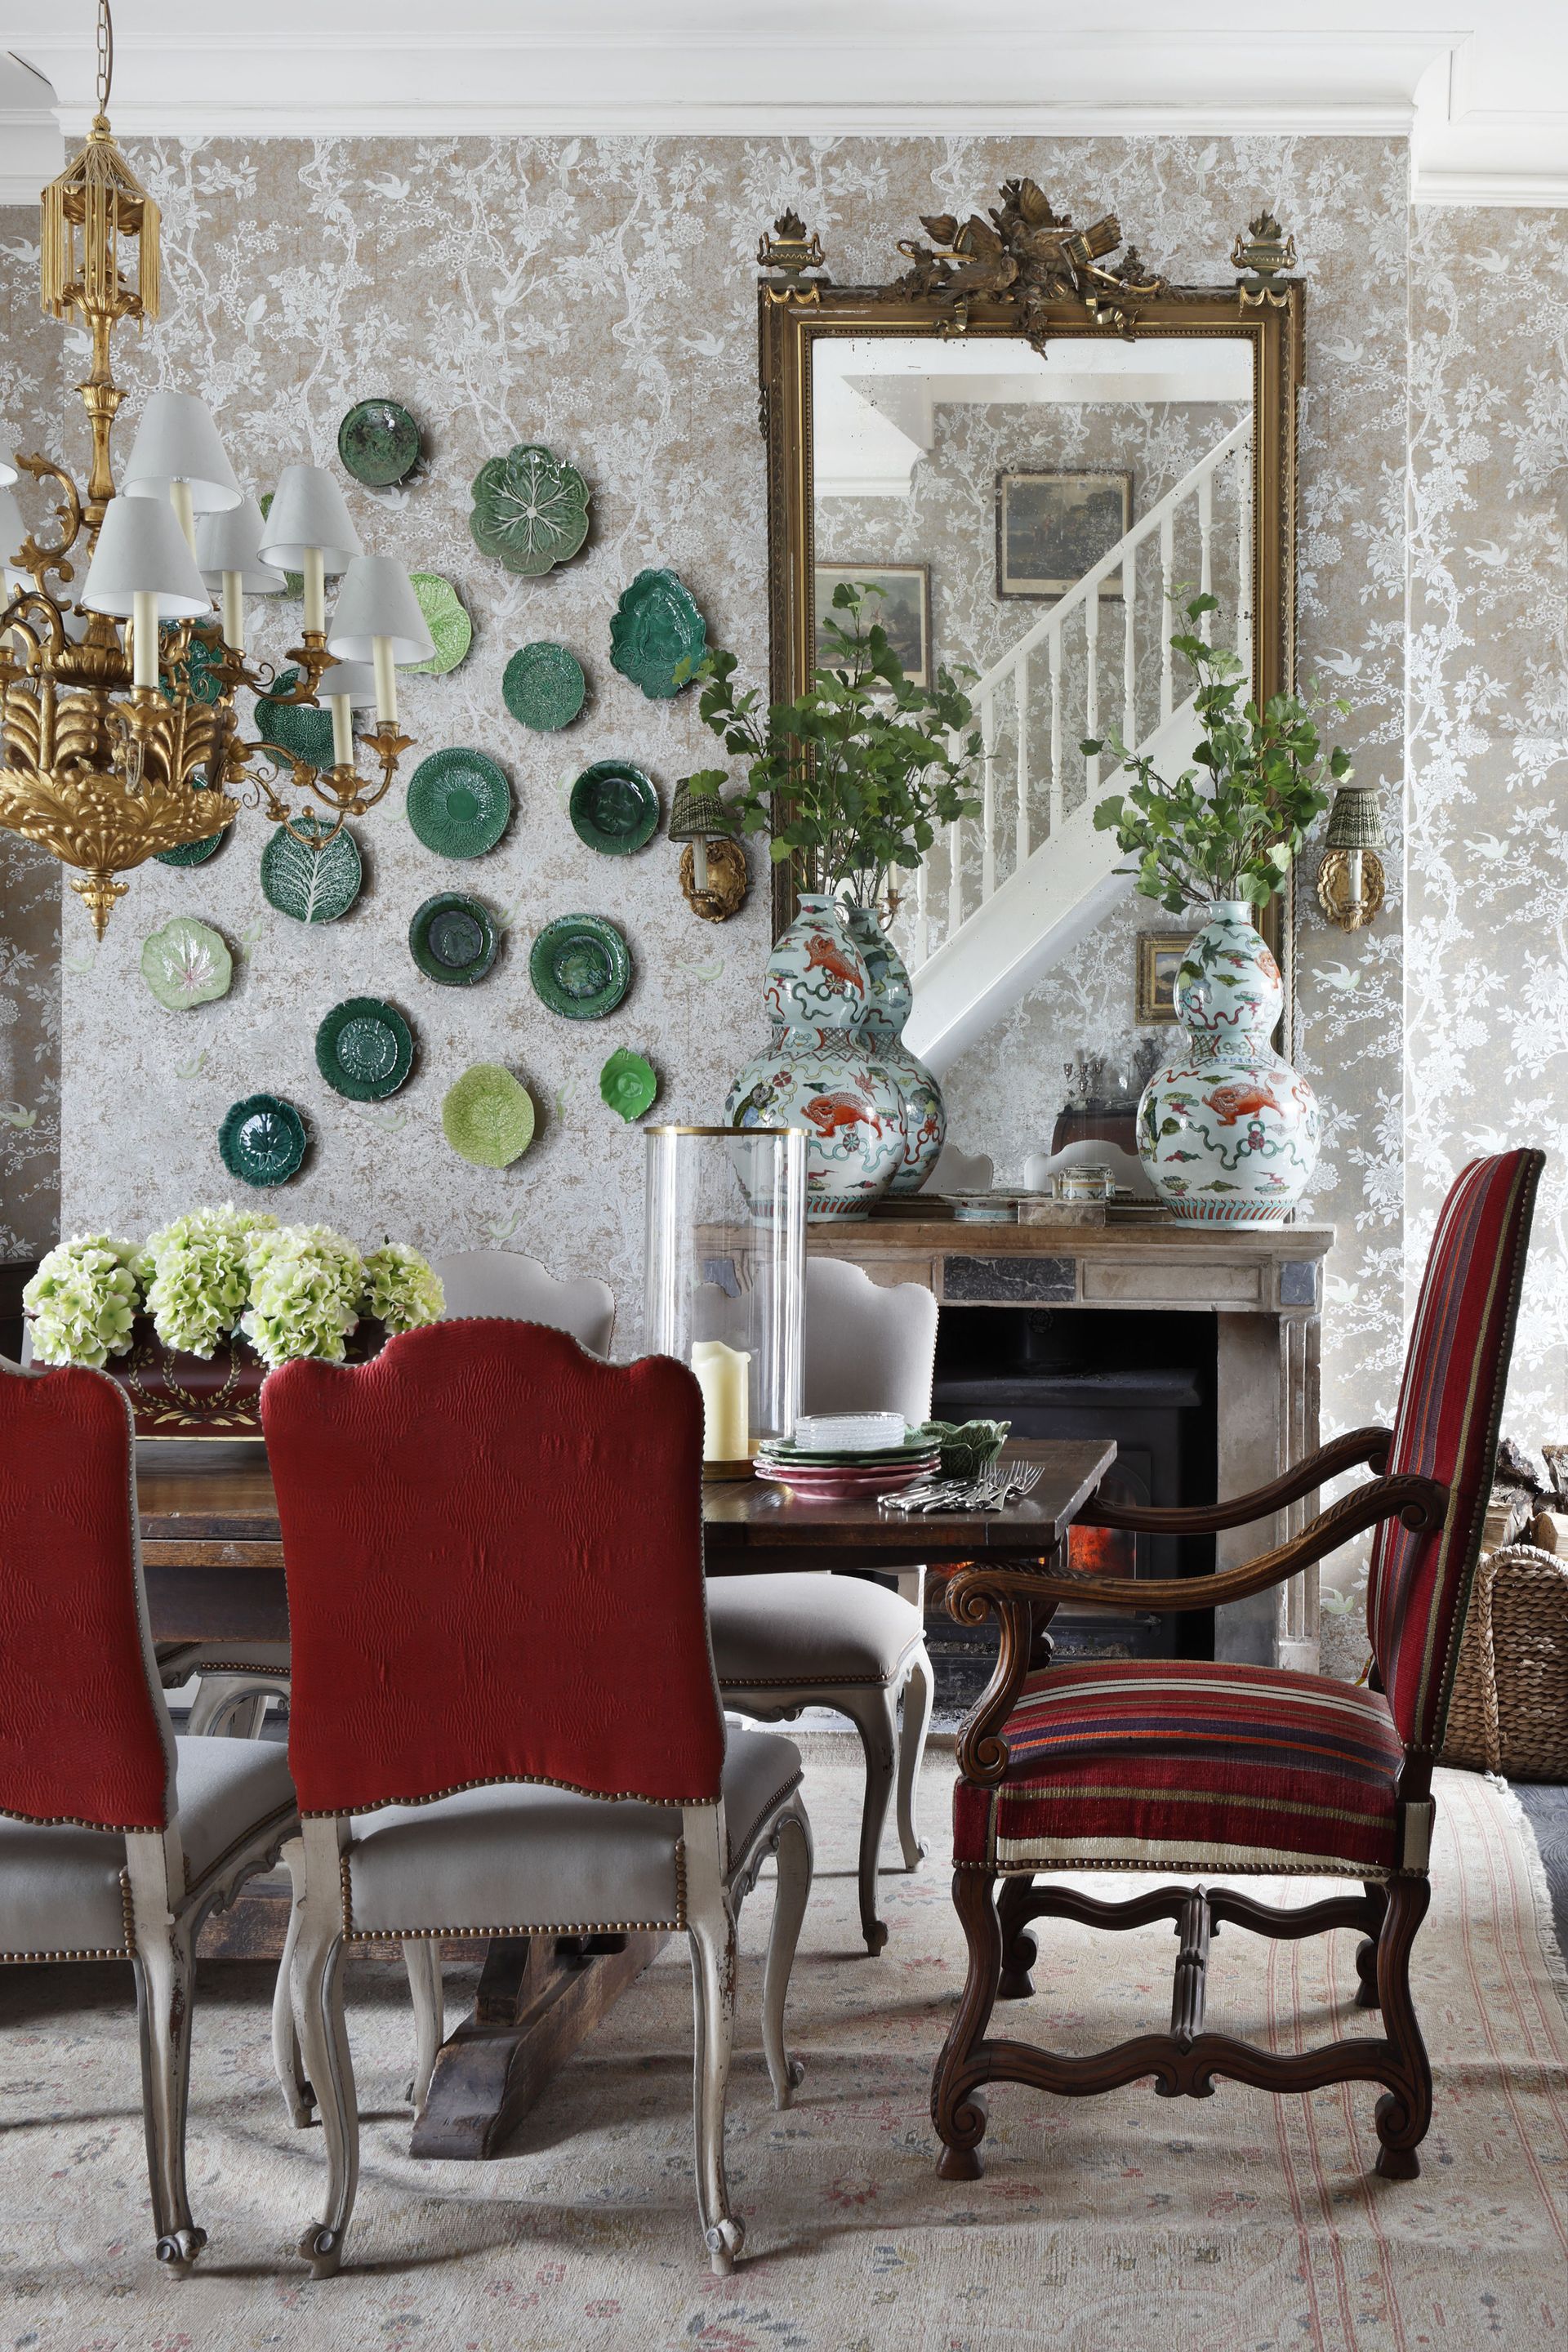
(172, 1395)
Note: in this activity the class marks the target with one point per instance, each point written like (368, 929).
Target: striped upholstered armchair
(1244, 1771)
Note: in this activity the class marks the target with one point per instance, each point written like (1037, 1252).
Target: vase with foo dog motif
(1227, 1130)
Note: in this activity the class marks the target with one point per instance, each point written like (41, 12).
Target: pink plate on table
(817, 1484)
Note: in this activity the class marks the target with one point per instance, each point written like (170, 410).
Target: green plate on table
(628, 1084)
(543, 687)
(613, 808)
(581, 967)
(458, 804)
(262, 1140)
(487, 1116)
(453, 939)
(378, 442)
(314, 885)
(364, 1049)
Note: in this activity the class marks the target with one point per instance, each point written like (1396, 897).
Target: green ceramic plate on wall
(313, 886)
(627, 1083)
(613, 808)
(300, 730)
(656, 627)
(487, 1116)
(453, 939)
(186, 964)
(530, 509)
(543, 687)
(364, 1049)
(262, 1140)
(451, 630)
(581, 967)
(195, 853)
(458, 804)
(378, 442)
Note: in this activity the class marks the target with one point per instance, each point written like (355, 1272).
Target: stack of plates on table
(838, 1474)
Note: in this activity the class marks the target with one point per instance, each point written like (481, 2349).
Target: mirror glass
(1030, 519)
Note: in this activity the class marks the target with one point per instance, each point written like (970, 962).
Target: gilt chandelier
(117, 714)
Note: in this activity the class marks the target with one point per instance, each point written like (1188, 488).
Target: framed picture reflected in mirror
(1053, 526)
(1160, 957)
(903, 609)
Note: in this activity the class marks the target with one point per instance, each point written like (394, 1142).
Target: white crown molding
(1527, 191)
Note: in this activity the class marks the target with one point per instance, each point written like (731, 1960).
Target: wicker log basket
(1509, 1712)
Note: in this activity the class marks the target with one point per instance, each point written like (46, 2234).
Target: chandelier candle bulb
(315, 571)
(228, 550)
(378, 619)
(385, 680)
(143, 635)
(234, 611)
(307, 530)
(343, 730)
(184, 504)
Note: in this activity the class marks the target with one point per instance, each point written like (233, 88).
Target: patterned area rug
(1226, 2225)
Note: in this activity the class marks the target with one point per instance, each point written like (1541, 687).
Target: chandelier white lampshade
(231, 541)
(355, 681)
(13, 531)
(177, 448)
(8, 438)
(376, 601)
(142, 551)
(307, 516)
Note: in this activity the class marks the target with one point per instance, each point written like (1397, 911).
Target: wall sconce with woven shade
(1351, 877)
(713, 877)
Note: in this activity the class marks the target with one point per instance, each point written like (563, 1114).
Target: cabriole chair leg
(422, 1959)
(792, 1892)
(710, 1930)
(298, 2096)
(318, 1974)
(1402, 2117)
(912, 1730)
(164, 1985)
(957, 2107)
(874, 1712)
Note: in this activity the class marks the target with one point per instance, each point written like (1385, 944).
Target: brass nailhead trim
(568, 1927)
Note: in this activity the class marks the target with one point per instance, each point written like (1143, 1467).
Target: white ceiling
(1482, 89)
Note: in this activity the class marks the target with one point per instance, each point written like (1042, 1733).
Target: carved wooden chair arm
(1347, 1453)
(1015, 1591)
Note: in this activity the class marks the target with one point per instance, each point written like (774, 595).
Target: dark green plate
(453, 940)
(581, 967)
(543, 687)
(379, 442)
(314, 885)
(364, 1049)
(613, 808)
(300, 730)
(458, 804)
(656, 627)
(262, 1140)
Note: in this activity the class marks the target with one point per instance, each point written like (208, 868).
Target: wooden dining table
(213, 1557)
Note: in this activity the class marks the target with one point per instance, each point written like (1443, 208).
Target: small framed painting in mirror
(1160, 957)
(1053, 527)
(903, 609)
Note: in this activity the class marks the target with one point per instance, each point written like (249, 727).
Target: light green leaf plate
(186, 964)
(314, 885)
(487, 1116)
(530, 509)
(447, 621)
(627, 1083)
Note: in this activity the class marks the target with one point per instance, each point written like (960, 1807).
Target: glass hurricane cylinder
(724, 1277)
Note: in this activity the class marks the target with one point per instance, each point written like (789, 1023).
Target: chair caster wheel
(723, 2242)
(323, 2250)
(178, 2250)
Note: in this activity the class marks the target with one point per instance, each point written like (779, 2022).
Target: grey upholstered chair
(785, 1641)
(235, 1683)
(116, 1839)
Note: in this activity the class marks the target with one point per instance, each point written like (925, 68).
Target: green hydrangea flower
(197, 1274)
(306, 1282)
(402, 1289)
(82, 1301)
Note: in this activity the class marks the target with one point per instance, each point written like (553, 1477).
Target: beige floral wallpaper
(599, 297)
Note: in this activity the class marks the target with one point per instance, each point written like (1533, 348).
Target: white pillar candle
(144, 637)
(724, 1376)
(385, 680)
(699, 864)
(234, 611)
(343, 730)
(184, 512)
(315, 592)
(1353, 879)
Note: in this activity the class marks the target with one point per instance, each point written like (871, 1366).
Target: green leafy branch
(1228, 827)
(856, 773)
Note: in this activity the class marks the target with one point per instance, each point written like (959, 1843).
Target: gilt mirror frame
(1025, 272)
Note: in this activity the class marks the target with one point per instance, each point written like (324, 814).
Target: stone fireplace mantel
(1262, 1283)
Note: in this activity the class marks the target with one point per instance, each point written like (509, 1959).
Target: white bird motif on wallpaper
(1489, 553)
(1494, 263)
(387, 183)
(1489, 846)
(1338, 975)
(1341, 664)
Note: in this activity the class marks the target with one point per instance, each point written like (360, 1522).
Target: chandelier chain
(105, 55)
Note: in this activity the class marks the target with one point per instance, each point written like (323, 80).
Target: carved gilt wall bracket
(1024, 256)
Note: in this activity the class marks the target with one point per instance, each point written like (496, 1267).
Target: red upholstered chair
(1249, 1770)
(493, 1519)
(116, 1839)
